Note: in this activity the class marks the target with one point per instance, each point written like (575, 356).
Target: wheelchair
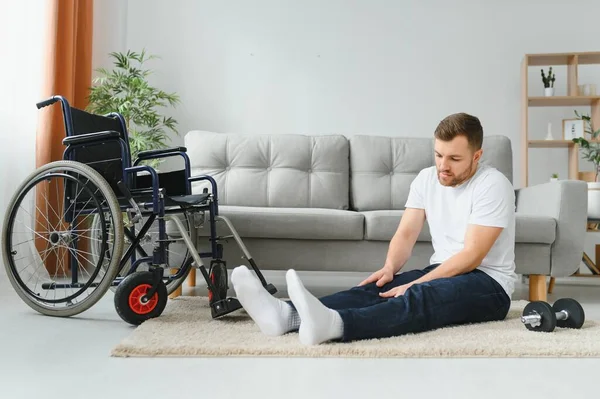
(95, 221)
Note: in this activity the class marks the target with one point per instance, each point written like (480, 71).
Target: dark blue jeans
(468, 298)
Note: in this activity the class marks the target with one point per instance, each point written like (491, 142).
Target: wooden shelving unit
(562, 101)
(573, 99)
(572, 61)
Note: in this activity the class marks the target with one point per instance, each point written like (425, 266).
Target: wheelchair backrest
(106, 158)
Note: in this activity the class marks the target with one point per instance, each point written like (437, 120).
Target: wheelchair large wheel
(47, 233)
(179, 259)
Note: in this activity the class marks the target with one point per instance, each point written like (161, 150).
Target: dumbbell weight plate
(548, 322)
(576, 313)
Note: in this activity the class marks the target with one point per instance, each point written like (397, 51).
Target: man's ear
(478, 155)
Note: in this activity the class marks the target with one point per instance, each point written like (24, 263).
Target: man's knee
(370, 287)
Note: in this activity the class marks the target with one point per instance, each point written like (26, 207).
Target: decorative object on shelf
(548, 82)
(549, 133)
(126, 89)
(554, 177)
(591, 152)
(587, 90)
(573, 129)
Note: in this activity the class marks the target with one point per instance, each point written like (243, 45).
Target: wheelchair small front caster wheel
(131, 301)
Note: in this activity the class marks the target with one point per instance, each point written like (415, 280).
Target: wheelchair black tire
(117, 249)
(128, 292)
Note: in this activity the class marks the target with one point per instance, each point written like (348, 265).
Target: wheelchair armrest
(91, 137)
(154, 176)
(213, 185)
(157, 153)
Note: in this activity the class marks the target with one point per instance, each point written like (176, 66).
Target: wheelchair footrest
(224, 306)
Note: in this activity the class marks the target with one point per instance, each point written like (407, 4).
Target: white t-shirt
(488, 199)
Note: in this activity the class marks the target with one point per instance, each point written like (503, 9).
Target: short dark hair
(461, 124)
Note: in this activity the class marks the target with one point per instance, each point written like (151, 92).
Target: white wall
(21, 39)
(369, 67)
(110, 31)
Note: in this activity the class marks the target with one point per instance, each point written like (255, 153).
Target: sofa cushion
(381, 226)
(287, 170)
(291, 223)
(382, 168)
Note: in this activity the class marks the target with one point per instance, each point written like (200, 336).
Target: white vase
(549, 91)
(593, 200)
(554, 179)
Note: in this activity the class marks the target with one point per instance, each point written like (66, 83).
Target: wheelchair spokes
(48, 233)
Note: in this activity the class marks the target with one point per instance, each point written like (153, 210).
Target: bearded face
(455, 160)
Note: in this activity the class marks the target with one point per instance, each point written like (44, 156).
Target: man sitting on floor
(470, 209)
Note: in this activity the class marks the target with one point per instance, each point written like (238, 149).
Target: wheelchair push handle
(51, 101)
(47, 102)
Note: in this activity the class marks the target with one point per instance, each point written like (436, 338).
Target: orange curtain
(68, 72)
(68, 61)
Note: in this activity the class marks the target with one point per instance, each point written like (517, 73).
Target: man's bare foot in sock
(272, 315)
(318, 323)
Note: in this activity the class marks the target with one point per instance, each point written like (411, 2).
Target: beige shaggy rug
(187, 329)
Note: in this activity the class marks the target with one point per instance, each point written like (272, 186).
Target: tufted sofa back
(361, 173)
(382, 168)
(294, 171)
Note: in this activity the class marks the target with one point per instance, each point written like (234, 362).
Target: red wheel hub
(136, 302)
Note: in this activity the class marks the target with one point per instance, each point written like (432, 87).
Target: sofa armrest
(566, 202)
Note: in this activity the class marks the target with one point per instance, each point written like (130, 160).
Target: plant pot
(554, 179)
(593, 200)
(549, 91)
(587, 176)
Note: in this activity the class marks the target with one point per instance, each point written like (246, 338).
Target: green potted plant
(591, 152)
(548, 82)
(554, 177)
(125, 89)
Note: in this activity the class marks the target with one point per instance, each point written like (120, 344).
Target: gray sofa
(332, 203)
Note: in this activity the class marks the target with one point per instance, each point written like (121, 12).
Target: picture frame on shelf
(573, 128)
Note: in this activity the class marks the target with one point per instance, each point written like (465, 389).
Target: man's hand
(381, 276)
(396, 291)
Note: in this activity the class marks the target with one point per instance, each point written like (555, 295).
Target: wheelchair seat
(174, 184)
(188, 200)
(183, 201)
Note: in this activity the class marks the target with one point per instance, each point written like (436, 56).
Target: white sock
(318, 323)
(272, 315)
